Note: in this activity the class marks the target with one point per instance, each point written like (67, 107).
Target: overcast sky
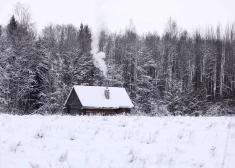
(146, 15)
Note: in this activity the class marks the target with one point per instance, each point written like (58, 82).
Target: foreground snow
(116, 142)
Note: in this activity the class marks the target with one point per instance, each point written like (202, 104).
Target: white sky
(147, 15)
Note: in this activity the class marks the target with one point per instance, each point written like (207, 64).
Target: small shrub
(133, 156)
(180, 135)
(201, 164)
(63, 156)
(39, 134)
(191, 134)
(210, 126)
(121, 125)
(213, 150)
(34, 165)
(15, 147)
(97, 131)
(72, 136)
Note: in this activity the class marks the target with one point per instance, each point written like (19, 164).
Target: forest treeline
(177, 73)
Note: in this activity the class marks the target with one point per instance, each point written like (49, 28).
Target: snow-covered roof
(94, 97)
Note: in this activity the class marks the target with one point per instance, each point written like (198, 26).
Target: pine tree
(12, 27)
(0, 30)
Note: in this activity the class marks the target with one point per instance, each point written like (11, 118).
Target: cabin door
(76, 111)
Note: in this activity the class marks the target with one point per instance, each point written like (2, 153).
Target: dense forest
(177, 73)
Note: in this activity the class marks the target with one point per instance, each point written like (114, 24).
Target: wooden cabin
(97, 99)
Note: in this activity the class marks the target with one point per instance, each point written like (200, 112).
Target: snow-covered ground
(116, 142)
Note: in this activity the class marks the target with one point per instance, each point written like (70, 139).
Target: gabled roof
(93, 97)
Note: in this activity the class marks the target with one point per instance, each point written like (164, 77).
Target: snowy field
(116, 142)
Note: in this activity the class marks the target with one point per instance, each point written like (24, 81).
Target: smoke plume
(98, 56)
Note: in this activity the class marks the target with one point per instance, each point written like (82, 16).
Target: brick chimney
(106, 92)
